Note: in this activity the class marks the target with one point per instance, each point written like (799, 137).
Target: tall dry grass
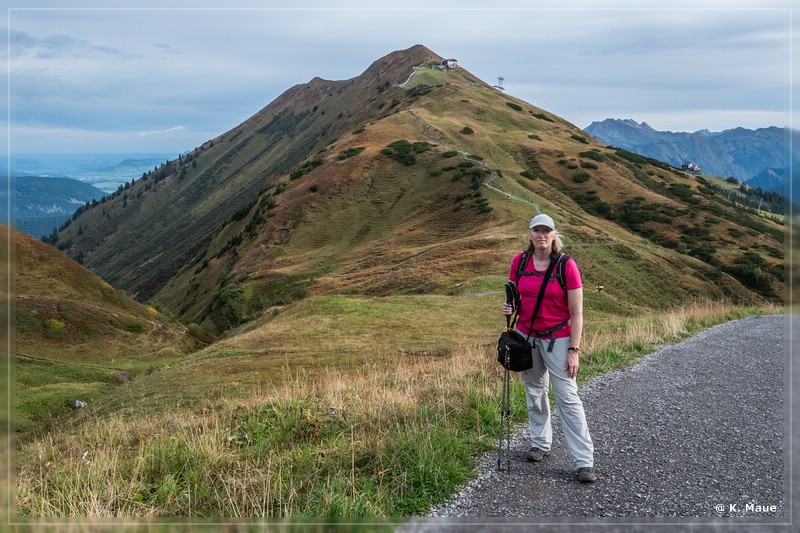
(667, 326)
(381, 437)
(161, 465)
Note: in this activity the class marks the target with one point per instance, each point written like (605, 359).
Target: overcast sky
(166, 80)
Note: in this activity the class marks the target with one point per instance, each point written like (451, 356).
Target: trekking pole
(505, 402)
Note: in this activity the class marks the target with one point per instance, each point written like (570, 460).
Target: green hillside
(337, 183)
(76, 337)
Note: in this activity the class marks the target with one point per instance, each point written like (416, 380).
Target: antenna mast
(499, 85)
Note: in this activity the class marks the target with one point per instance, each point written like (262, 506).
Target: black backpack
(558, 273)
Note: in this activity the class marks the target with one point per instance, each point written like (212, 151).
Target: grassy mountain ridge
(76, 336)
(196, 195)
(366, 187)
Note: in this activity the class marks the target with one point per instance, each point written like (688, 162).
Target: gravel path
(695, 429)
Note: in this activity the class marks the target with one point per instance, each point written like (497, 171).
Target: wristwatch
(574, 349)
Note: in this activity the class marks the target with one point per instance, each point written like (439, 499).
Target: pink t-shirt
(554, 309)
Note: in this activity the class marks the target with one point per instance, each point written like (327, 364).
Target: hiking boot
(536, 455)
(586, 474)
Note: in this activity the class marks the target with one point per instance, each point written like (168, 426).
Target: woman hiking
(555, 335)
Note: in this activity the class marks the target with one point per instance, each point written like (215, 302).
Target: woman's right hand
(507, 309)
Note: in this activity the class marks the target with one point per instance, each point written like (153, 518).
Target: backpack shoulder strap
(561, 265)
(523, 262)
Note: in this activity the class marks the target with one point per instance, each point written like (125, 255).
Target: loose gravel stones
(694, 430)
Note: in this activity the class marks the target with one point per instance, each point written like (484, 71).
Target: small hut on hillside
(694, 168)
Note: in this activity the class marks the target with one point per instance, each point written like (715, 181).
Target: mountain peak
(622, 132)
(400, 63)
(334, 181)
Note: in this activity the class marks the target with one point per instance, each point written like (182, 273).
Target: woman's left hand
(573, 362)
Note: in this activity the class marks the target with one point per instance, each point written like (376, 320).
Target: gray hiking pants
(549, 367)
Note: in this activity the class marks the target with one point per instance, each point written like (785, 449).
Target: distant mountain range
(43, 204)
(105, 171)
(757, 157)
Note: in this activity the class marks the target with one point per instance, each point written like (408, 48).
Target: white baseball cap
(542, 220)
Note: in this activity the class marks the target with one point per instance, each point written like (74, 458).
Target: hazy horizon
(79, 77)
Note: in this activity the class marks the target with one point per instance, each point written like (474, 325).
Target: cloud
(173, 129)
(54, 46)
(164, 47)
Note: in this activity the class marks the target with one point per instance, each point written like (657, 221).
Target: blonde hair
(558, 243)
